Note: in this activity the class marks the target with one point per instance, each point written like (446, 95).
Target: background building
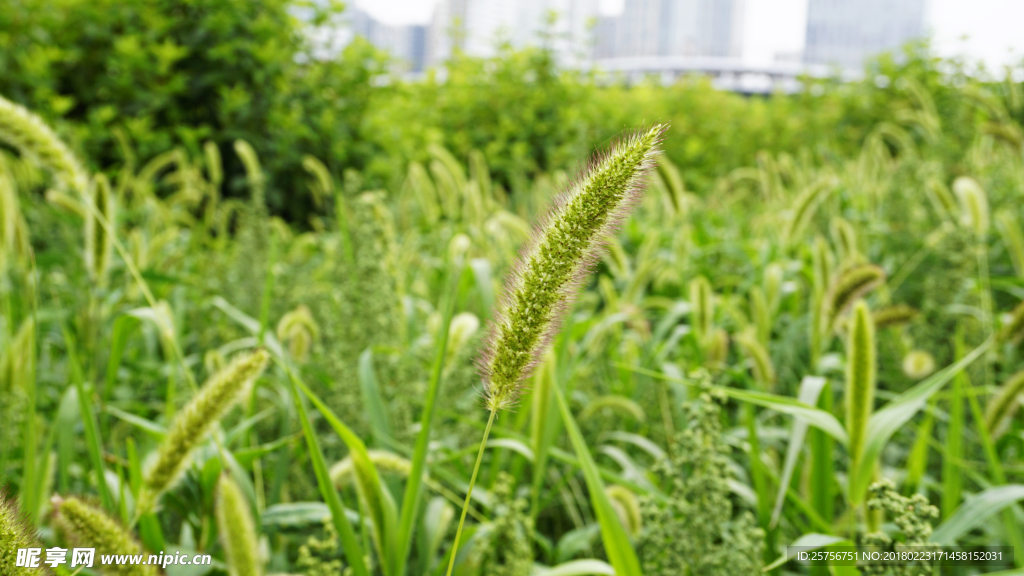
(845, 32)
(672, 28)
(479, 27)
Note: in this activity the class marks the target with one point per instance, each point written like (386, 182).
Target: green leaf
(815, 417)
(353, 551)
(376, 411)
(976, 510)
(616, 542)
(810, 389)
(813, 541)
(577, 568)
(372, 492)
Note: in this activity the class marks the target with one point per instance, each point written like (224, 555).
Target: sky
(992, 27)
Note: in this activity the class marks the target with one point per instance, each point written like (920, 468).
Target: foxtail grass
(760, 361)
(237, 530)
(544, 282)
(15, 534)
(97, 240)
(1010, 231)
(192, 423)
(861, 371)
(1004, 404)
(896, 315)
(88, 527)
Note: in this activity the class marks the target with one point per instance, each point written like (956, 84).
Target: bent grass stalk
(545, 280)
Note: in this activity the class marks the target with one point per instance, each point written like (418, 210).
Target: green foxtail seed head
(760, 361)
(1009, 228)
(31, 136)
(861, 370)
(702, 309)
(1013, 328)
(845, 239)
(773, 278)
(98, 245)
(237, 530)
(627, 508)
(761, 313)
(192, 423)
(214, 165)
(553, 265)
(14, 534)
(253, 172)
(89, 527)
(461, 329)
(918, 364)
(973, 204)
(1002, 406)
(385, 462)
(806, 205)
(822, 264)
(298, 330)
(846, 287)
(322, 186)
(895, 315)
(615, 403)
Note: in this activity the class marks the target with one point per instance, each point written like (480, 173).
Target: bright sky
(992, 27)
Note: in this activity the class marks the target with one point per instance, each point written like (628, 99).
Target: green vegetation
(243, 292)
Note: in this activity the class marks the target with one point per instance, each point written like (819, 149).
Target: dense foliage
(809, 331)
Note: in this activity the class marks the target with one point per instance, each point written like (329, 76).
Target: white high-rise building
(845, 32)
(672, 28)
(478, 27)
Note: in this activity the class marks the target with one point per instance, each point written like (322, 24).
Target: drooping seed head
(298, 330)
(1013, 237)
(89, 527)
(192, 423)
(551, 268)
(846, 287)
(237, 530)
(1013, 328)
(1002, 406)
(31, 136)
(761, 362)
(627, 508)
(973, 204)
(895, 315)
(98, 244)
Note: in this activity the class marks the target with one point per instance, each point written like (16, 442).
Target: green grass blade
(616, 541)
(88, 414)
(383, 513)
(118, 340)
(376, 411)
(815, 417)
(350, 545)
(414, 486)
(953, 450)
(810, 389)
(976, 510)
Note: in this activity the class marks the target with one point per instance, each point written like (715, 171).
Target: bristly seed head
(550, 269)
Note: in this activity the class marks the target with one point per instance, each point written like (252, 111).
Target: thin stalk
(469, 491)
(413, 487)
